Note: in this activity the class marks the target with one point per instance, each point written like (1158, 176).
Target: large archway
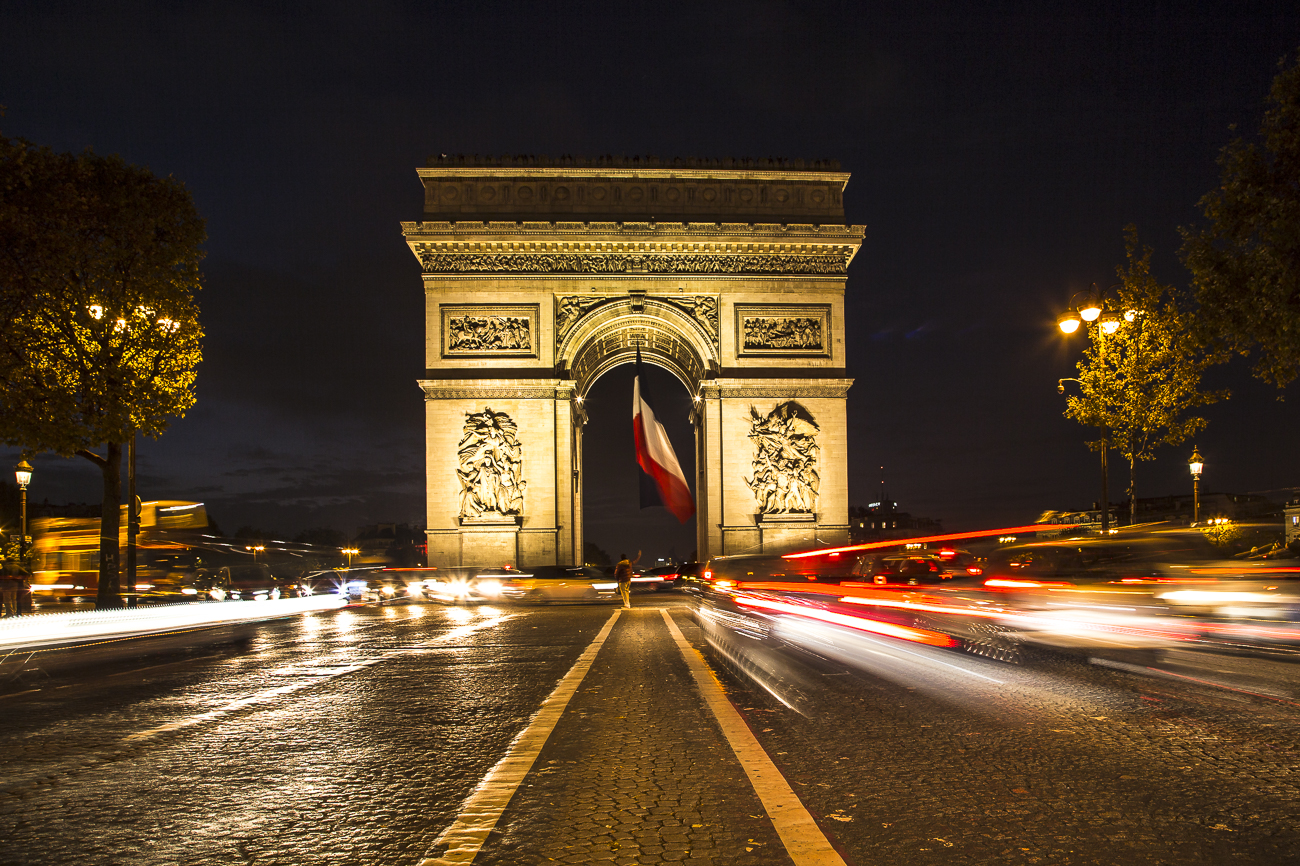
(539, 279)
(610, 492)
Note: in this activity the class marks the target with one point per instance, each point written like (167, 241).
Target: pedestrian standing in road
(623, 574)
(10, 588)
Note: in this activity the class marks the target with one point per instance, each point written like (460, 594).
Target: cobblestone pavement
(354, 737)
(636, 772)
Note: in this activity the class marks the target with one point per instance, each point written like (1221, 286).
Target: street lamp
(351, 552)
(1195, 464)
(1091, 307)
(23, 475)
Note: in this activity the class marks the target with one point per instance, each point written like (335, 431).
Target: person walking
(623, 574)
(10, 590)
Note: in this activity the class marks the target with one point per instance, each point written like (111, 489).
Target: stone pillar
(530, 525)
(765, 508)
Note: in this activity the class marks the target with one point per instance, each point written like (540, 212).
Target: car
(722, 571)
(916, 569)
(660, 579)
(254, 582)
(546, 584)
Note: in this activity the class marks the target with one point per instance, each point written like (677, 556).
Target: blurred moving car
(761, 568)
(254, 581)
(546, 584)
(916, 569)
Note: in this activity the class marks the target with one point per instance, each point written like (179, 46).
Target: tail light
(708, 575)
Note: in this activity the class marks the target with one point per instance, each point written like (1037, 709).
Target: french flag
(662, 480)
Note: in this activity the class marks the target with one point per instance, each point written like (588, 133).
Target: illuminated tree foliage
(1246, 263)
(99, 326)
(1137, 383)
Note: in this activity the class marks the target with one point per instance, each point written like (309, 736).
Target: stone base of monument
(490, 540)
(782, 533)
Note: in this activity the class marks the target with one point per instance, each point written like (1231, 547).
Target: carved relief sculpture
(570, 308)
(615, 263)
(491, 461)
(489, 333)
(785, 479)
(701, 308)
(783, 332)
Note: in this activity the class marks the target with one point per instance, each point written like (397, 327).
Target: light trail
(62, 629)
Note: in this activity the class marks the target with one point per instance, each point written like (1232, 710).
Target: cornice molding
(628, 172)
(817, 264)
(497, 389)
(775, 389)
(622, 229)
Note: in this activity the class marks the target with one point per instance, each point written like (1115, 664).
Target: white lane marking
(483, 808)
(269, 695)
(803, 839)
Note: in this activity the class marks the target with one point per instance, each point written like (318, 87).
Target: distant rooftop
(528, 160)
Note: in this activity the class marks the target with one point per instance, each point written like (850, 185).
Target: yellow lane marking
(803, 839)
(483, 808)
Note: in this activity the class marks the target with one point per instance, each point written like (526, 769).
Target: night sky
(996, 157)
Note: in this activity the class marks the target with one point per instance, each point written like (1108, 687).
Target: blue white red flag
(662, 480)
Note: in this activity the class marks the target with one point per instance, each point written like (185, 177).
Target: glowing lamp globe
(1068, 323)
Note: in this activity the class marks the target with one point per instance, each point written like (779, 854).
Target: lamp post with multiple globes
(1091, 307)
(1195, 464)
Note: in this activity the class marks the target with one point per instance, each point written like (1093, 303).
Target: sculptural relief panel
(474, 330)
(490, 466)
(801, 330)
(702, 308)
(621, 263)
(784, 476)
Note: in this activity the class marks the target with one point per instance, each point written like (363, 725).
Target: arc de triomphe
(540, 275)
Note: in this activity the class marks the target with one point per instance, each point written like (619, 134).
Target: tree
(99, 327)
(1137, 382)
(1245, 263)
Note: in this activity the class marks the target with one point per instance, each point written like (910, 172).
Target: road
(390, 735)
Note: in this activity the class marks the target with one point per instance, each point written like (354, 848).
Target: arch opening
(612, 519)
(610, 334)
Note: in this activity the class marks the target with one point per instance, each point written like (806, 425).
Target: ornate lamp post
(1195, 464)
(1089, 308)
(351, 552)
(23, 475)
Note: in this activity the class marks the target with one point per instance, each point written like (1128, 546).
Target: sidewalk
(637, 770)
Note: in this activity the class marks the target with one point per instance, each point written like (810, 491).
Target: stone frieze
(783, 332)
(618, 263)
(488, 334)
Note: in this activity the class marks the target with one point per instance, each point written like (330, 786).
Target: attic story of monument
(540, 276)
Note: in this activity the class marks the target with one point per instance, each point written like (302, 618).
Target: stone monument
(540, 275)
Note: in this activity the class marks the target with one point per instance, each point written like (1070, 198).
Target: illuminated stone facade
(539, 277)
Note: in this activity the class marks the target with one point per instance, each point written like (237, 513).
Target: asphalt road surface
(411, 734)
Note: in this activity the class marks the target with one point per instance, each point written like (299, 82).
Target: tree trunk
(109, 594)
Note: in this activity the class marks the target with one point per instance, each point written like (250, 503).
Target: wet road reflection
(357, 736)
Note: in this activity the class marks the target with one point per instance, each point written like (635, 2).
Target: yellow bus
(65, 550)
